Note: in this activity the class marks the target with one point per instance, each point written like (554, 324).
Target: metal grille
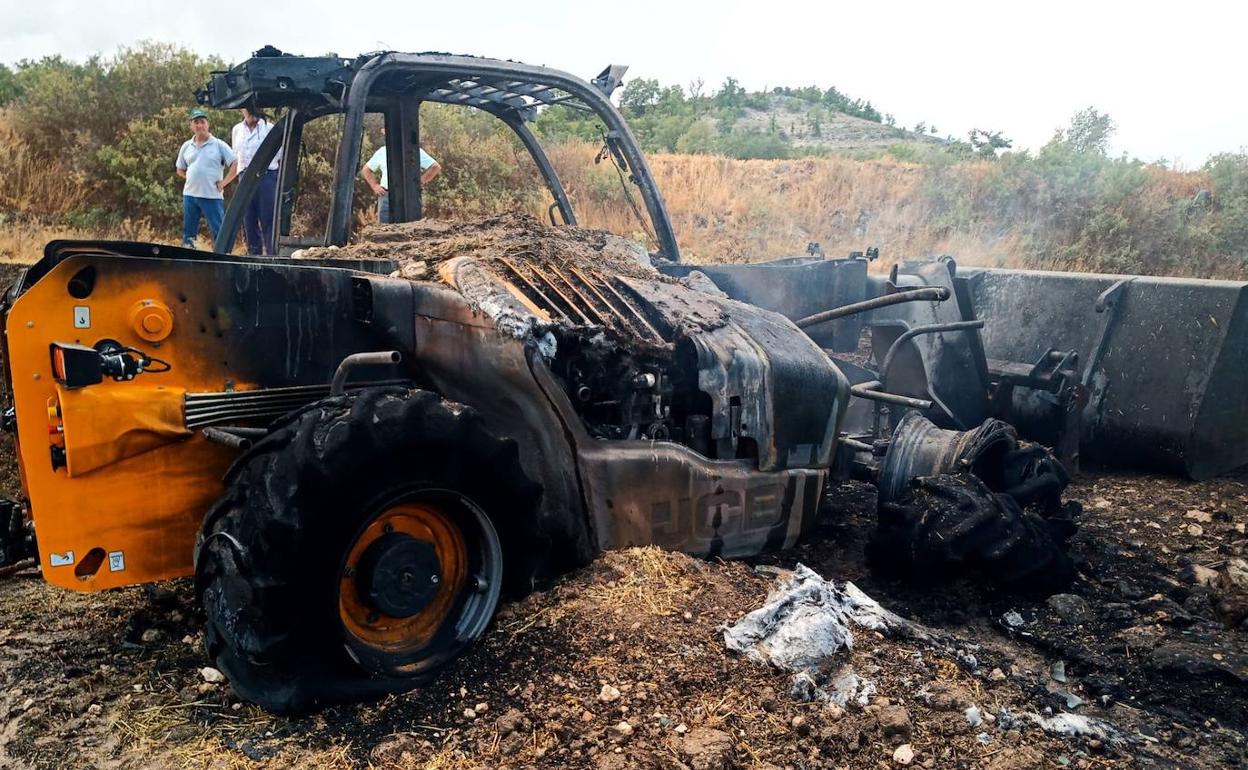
(232, 406)
(582, 297)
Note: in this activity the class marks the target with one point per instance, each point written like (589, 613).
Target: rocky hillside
(811, 127)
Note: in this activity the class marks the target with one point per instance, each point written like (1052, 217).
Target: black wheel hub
(398, 575)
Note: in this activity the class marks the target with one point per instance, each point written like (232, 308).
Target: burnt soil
(114, 680)
(512, 235)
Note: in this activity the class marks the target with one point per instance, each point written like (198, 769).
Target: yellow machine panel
(126, 503)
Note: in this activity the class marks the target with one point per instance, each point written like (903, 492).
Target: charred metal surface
(646, 492)
(945, 366)
(795, 287)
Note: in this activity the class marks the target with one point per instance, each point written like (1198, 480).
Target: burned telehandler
(356, 465)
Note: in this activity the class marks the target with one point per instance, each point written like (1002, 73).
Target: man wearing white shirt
(376, 173)
(245, 139)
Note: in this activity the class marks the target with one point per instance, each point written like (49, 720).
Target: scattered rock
(470, 714)
(904, 755)
(608, 693)
(1071, 609)
(1012, 619)
(1201, 576)
(1199, 516)
(152, 635)
(211, 675)
(481, 708)
(996, 675)
(512, 721)
(412, 271)
(1235, 575)
(1195, 530)
(1023, 758)
(942, 696)
(395, 751)
(709, 749)
(894, 722)
(1057, 671)
(620, 731)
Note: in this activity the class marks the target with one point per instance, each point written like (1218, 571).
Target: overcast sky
(1170, 74)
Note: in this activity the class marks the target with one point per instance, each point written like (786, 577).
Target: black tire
(949, 525)
(273, 556)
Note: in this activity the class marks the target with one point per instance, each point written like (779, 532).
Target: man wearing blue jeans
(245, 140)
(202, 162)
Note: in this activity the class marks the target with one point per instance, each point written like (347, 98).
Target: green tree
(639, 96)
(730, 96)
(1228, 174)
(138, 170)
(985, 143)
(698, 139)
(1089, 132)
(9, 89)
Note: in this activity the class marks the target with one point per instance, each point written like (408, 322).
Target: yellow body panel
(138, 482)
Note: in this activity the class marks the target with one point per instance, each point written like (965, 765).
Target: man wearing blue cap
(202, 162)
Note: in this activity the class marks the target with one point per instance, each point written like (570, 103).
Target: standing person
(429, 168)
(202, 162)
(245, 139)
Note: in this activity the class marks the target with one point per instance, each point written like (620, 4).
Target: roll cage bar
(395, 84)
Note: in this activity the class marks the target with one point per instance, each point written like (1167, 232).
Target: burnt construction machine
(356, 467)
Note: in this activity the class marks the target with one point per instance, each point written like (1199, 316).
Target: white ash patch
(804, 624)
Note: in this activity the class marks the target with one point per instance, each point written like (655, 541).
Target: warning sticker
(61, 559)
(116, 561)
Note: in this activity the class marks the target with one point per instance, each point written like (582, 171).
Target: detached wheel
(360, 547)
(947, 525)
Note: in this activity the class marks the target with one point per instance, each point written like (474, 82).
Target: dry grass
(723, 210)
(649, 582)
(36, 188)
(25, 242)
(726, 210)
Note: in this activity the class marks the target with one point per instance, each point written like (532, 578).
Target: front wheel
(360, 547)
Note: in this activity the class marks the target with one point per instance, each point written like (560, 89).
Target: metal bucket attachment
(1164, 361)
(795, 287)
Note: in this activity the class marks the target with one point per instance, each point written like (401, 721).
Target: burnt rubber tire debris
(952, 524)
(268, 557)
